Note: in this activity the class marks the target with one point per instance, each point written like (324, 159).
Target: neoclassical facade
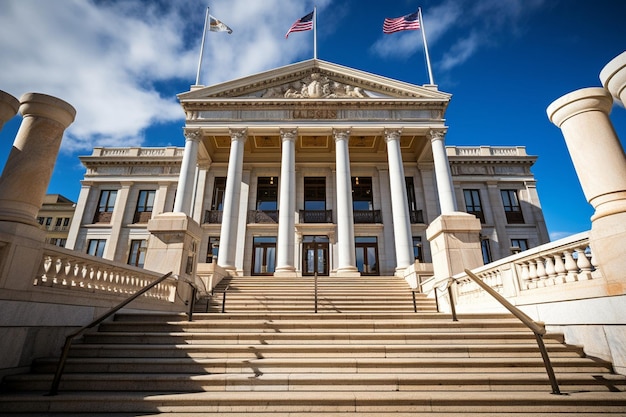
(312, 168)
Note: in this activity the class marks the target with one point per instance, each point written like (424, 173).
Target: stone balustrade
(563, 262)
(66, 269)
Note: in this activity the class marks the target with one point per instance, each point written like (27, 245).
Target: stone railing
(66, 269)
(564, 262)
(138, 152)
(486, 151)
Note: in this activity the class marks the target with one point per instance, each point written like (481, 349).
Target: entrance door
(315, 255)
(367, 255)
(264, 256)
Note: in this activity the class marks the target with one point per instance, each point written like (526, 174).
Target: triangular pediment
(314, 79)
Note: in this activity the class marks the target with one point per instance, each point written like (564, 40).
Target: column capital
(579, 101)
(288, 134)
(193, 134)
(239, 134)
(392, 134)
(43, 105)
(613, 77)
(436, 134)
(341, 134)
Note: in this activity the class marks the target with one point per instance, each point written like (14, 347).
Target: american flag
(302, 24)
(408, 22)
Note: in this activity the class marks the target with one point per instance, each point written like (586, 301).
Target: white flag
(218, 26)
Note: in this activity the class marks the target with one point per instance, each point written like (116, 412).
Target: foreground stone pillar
(600, 164)
(286, 213)
(9, 106)
(399, 202)
(613, 77)
(346, 255)
(454, 243)
(29, 167)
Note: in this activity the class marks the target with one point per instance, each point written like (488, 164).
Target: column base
(346, 272)
(287, 271)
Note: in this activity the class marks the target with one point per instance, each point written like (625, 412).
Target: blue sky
(121, 64)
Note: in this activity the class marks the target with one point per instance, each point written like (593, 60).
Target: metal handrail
(315, 290)
(538, 329)
(54, 388)
(224, 298)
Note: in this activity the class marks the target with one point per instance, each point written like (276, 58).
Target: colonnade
(285, 257)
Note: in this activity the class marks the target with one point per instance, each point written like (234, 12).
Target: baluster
(499, 283)
(42, 278)
(532, 274)
(524, 276)
(559, 268)
(583, 264)
(67, 270)
(56, 268)
(570, 266)
(541, 272)
(550, 270)
(594, 263)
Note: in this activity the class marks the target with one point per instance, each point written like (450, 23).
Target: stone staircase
(366, 353)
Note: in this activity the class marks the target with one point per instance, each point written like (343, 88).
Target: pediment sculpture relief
(315, 86)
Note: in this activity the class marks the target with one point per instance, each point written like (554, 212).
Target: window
(106, 203)
(59, 222)
(267, 194)
(362, 195)
(315, 193)
(57, 242)
(473, 204)
(137, 255)
(519, 245)
(145, 205)
(40, 220)
(417, 248)
(95, 247)
(212, 249)
(48, 221)
(415, 215)
(486, 250)
(66, 221)
(219, 189)
(512, 208)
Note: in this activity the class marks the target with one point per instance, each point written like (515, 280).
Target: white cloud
(109, 59)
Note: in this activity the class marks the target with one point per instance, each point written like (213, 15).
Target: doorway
(314, 255)
(263, 255)
(367, 255)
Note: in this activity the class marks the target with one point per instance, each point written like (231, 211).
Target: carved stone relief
(315, 86)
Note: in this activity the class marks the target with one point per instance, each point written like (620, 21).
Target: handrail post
(192, 303)
(547, 364)
(224, 299)
(414, 302)
(436, 299)
(315, 290)
(54, 387)
(452, 306)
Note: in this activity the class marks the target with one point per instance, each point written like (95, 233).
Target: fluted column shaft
(9, 106)
(445, 188)
(30, 164)
(346, 262)
(286, 214)
(184, 192)
(232, 195)
(399, 202)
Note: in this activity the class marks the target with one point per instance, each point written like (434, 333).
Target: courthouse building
(309, 168)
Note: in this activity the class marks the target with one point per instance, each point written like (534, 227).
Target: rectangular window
(519, 245)
(315, 193)
(48, 221)
(212, 249)
(486, 250)
(512, 207)
(95, 247)
(219, 189)
(137, 255)
(66, 221)
(145, 205)
(415, 215)
(40, 220)
(59, 222)
(362, 195)
(473, 204)
(267, 194)
(106, 203)
(417, 248)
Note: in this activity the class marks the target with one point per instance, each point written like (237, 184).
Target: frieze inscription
(314, 114)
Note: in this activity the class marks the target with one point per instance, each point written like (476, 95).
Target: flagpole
(430, 70)
(314, 32)
(206, 20)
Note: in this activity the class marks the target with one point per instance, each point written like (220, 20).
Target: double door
(315, 255)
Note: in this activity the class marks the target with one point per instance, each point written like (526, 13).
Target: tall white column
(78, 218)
(399, 202)
(9, 106)
(286, 214)
(346, 262)
(445, 189)
(184, 193)
(117, 220)
(232, 195)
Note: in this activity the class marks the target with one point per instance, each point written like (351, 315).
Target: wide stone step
(200, 365)
(319, 382)
(316, 350)
(315, 403)
(216, 338)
